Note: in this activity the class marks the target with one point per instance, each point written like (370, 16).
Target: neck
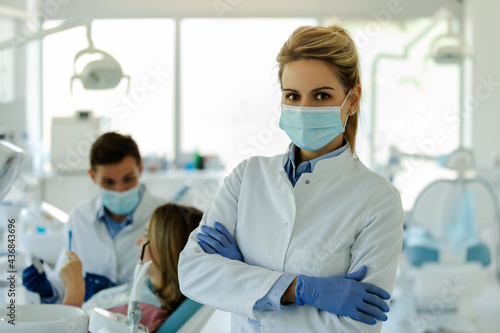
(156, 283)
(307, 155)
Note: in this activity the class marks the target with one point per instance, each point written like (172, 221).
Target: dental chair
(444, 246)
(189, 317)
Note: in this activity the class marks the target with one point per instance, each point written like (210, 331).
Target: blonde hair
(334, 46)
(169, 229)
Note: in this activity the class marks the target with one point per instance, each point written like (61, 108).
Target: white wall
(482, 27)
(12, 113)
(21, 116)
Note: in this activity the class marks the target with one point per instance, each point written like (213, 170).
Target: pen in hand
(70, 236)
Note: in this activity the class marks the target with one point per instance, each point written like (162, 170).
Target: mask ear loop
(345, 122)
(347, 116)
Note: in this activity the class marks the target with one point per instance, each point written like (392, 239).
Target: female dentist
(314, 233)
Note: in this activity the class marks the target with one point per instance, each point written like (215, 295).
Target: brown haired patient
(167, 232)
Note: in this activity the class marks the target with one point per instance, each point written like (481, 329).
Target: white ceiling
(398, 9)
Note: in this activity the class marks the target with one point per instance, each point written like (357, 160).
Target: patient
(167, 231)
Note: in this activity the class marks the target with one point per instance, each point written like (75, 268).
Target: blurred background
(195, 84)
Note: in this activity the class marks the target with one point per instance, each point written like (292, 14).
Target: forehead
(116, 170)
(309, 73)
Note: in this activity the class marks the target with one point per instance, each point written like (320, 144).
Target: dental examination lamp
(103, 321)
(10, 162)
(449, 48)
(101, 72)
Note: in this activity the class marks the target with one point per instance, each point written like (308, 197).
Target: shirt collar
(292, 148)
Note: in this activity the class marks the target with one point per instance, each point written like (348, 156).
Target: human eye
(107, 181)
(323, 96)
(292, 97)
(129, 178)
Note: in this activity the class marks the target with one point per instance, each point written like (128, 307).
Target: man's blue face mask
(312, 128)
(121, 203)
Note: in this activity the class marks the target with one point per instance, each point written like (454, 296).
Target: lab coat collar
(328, 166)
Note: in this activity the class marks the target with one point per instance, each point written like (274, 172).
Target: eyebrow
(131, 173)
(314, 90)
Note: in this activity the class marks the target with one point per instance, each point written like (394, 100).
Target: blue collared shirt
(114, 227)
(272, 300)
(294, 172)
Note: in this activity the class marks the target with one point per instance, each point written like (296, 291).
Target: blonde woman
(314, 235)
(167, 232)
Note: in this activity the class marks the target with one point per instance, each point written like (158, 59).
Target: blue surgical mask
(121, 203)
(312, 128)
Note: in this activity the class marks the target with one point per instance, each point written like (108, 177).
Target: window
(145, 50)
(417, 100)
(230, 95)
(230, 91)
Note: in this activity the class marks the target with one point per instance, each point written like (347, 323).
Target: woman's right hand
(72, 279)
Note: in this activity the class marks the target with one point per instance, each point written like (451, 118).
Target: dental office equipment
(10, 162)
(46, 318)
(441, 51)
(449, 241)
(42, 232)
(78, 130)
(35, 279)
(137, 272)
(101, 73)
(37, 263)
(103, 321)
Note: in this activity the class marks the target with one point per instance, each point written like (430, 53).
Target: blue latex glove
(219, 241)
(344, 295)
(36, 282)
(94, 283)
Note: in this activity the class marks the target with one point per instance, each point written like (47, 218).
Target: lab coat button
(286, 224)
(307, 182)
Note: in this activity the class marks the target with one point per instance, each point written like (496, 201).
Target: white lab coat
(99, 253)
(335, 220)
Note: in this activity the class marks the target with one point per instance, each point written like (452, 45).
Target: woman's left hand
(72, 279)
(219, 240)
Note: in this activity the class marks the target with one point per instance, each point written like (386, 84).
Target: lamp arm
(21, 40)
